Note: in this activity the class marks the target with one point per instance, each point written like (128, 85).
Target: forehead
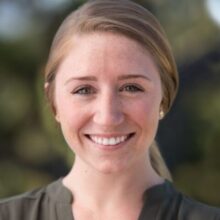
(106, 51)
(105, 41)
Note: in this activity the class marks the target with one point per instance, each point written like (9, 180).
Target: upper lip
(110, 135)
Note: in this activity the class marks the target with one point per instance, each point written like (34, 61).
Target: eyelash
(133, 88)
(87, 90)
(84, 90)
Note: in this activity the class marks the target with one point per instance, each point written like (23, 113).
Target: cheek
(72, 118)
(67, 114)
(71, 121)
(63, 105)
(145, 110)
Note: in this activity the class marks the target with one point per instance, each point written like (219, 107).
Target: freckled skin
(109, 108)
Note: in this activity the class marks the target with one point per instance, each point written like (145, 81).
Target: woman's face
(107, 100)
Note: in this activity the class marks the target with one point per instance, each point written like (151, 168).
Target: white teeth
(105, 141)
(118, 139)
(113, 141)
(122, 138)
(108, 141)
(99, 140)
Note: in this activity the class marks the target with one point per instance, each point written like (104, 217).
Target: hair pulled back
(126, 18)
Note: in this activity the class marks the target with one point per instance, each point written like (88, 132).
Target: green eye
(85, 90)
(131, 88)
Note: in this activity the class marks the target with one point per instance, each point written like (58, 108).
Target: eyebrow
(82, 78)
(123, 77)
(133, 76)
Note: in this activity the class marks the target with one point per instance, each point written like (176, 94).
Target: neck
(92, 186)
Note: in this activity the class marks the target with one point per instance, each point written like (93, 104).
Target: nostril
(108, 118)
(109, 108)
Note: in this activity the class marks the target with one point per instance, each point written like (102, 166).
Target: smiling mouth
(111, 141)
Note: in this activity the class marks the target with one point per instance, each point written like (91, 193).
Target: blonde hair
(133, 21)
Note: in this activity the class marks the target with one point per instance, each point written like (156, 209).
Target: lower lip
(111, 147)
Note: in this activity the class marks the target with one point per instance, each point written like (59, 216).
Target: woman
(110, 78)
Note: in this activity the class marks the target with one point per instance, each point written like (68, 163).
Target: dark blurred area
(32, 150)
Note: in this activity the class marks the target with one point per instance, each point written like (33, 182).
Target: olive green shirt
(53, 202)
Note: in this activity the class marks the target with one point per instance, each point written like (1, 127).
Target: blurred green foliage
(32, 149)
(201, 177)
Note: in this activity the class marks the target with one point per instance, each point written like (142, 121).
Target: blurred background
(32, 151)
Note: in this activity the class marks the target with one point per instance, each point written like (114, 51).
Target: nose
(109, 110)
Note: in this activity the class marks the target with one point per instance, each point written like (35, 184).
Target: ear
(50, 101)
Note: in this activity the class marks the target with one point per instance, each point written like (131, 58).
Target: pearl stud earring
(161, 114)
